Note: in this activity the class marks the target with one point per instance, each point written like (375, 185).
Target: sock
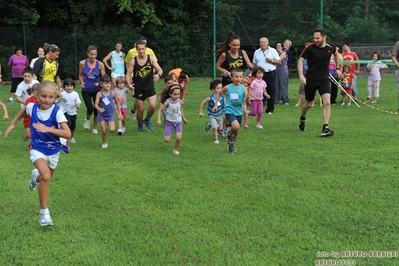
(44, 210)
(325, 126)
(303, 118)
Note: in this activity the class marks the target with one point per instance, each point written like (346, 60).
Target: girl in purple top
(104, 104)
(257, 90)
(282, 77)
(17, 62)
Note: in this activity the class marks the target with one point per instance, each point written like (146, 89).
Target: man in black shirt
(318, 55)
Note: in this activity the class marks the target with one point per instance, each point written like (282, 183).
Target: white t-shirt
(22, 88)
(375, 74)
(68, 102)
(45, 114)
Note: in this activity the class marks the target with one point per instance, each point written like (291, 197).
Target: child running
(105, 107)
(347, 83)
(47, 125)
(256, 91)
(32, 99)
(235, 96)
(174, 115)
(215, 118)
(373, 83)
(22, 89)
(121, 94)
(69, 104)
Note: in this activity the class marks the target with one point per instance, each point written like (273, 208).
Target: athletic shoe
(269, 113)
(148, 125)
(301, 125)
(349, 104)
(33, 180)
(216, 141)
(220, 133)
(10, 100)
(86, 124)
(343, 103)
(120, 131)
(207, 126)
(104, 146)
(45, 219)
(327, 132)
(124, 130)
(230, 143)
(259, 126)
(226, 130)
(133, 115)
(94, 130)
(176, 152)
(72, 140)
(245, 125)
(140, 128)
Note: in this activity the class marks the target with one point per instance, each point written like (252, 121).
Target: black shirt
(318, 60)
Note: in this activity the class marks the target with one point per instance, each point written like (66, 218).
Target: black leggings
(89, 97)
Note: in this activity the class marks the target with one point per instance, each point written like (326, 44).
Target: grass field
(285, 198)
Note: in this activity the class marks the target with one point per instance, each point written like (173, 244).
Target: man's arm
(105, 61)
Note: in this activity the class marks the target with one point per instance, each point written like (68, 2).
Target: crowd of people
(49, 107)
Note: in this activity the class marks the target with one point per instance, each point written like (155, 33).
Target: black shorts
(323, 87)
(144, 94)
(71, 121)
(231, 118)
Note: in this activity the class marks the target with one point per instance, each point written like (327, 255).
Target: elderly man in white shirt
(267, 58)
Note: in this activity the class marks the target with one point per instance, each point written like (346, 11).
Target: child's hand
(215, 109)
(201, 114)
(158, 122)
(267, 96)
(120, 116)
(40, 127)
(5, 117)
(8, 130)
(185, 121)
(102, 110)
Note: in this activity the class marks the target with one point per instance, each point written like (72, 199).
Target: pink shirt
(257, 87)
(18, 64)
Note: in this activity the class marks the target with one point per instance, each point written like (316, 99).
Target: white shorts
(114, 75)
(52, 160)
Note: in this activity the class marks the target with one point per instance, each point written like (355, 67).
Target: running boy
(235, 96)
(69, 104)
(215, 118)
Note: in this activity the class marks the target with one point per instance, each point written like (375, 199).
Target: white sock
(44, 210)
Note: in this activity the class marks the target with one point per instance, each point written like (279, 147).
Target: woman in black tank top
(230, 56)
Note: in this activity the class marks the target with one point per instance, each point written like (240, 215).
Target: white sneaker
(72, 140)
(343, 103)
(133, 115)
(349, 104)
(45, 219)
(95, 131)
(33, 181)
(104, 146)
(86, 124)
(120, 131)
(259, 126)
(216, 141)
(176, 152)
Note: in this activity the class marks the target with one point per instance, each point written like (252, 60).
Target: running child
(174, 115)
(5, 116)
(235, 96)
(121, 95)
(69, 104)
(27, 83)
(168, 80)
(256, 91)
(105, 107)
(32, 99)
(48, 124)
(215, 118)
(373, 83)
(347, 83)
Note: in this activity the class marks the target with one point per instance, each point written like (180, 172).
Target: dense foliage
(181, 32)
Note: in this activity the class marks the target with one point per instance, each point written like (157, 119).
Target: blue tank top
(118, 63)
(91, 77)
(46, 143)
(234, 100)
(211, 104)
(106, 102)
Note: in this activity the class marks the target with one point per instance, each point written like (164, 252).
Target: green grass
(284, 196)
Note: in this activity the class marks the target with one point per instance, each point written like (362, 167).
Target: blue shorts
(231, 118)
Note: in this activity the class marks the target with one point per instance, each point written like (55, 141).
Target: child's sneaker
(207, 126)
(176, 152)
(104, 146)
(230, 143)
(133, 115)
(120, 131)
(86, 124)
(349, 104)
(245, 125)
(343, 103)
(140, 128)
(45, 218)
(259, 126)
(33, 180)
(326, 132)
(94, 130)
(216, 141)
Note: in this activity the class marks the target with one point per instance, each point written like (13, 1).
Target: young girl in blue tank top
(173, 114)
(104, 105)
(48, 124)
